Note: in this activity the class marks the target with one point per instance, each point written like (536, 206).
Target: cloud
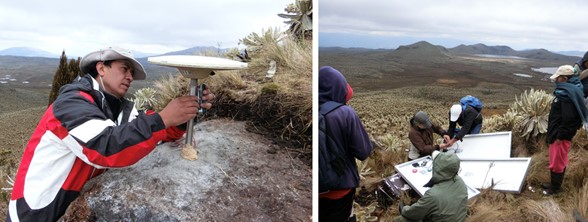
(519, 24)
(148, 26)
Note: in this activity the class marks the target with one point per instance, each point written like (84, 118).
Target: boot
(555, 186)
(547, 186)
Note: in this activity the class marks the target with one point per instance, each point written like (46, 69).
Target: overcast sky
(148, 26)
(520, 24)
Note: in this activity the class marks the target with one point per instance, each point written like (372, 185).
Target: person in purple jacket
(347, 129)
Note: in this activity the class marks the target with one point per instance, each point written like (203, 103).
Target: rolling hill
(538, 54)
(421, 51)
(38, 71)
(483, 49)
(422, 63)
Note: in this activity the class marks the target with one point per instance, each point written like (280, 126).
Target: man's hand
(443, 146)
(180, 110)
(451, 142)
(207, 96)
(446, 138)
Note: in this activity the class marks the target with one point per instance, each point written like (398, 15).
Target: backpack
(332, 163)
(470, 101)
(583, 77)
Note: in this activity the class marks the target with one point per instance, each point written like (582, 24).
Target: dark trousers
(476, 129)
(336, 210)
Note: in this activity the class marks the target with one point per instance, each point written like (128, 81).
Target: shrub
(533, 106)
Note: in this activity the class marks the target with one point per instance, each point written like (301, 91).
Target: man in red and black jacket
(91, 127)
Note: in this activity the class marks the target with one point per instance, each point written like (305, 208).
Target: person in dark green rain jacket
(447, 198)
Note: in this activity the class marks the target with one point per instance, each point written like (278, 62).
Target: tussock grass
(582, 201)
(293, 58)
(170, 88)
(384, 161)
(545, 210)
(280, 107)
(163, 91)
(538, 169)
(578, 164)
(485, 213)
(483, 207)
(284, 105)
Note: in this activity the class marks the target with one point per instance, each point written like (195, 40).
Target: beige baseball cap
(88, 63)
(565, 70)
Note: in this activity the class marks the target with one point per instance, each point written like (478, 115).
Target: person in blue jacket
(470, 119)
(346, 127)
(580, 68)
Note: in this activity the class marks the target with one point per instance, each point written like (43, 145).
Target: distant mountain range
(539, 54)
(27, 52)
(36, 67)
(572, 53)
(196, 50)
(461, 49)
(33, 52)
(426, 51)
(424, 63)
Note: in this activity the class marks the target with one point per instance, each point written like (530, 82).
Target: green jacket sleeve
(419, 210)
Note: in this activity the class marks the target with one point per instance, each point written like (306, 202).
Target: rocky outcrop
(239, 176)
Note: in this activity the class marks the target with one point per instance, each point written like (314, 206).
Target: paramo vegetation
(386, 116)
(279, 107)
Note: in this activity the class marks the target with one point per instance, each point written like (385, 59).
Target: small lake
(499, 56)
(546, 70)
(522, 75)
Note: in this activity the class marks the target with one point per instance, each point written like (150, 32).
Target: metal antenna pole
(195, 67)
(189, 131)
